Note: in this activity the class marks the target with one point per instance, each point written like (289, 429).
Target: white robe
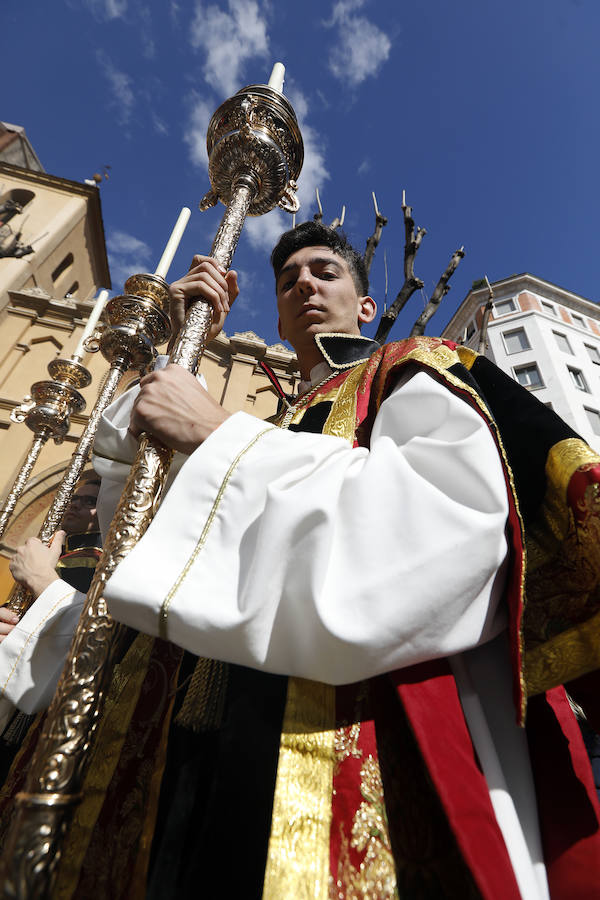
(297, 554)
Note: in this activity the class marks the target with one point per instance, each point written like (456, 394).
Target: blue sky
(484, 112)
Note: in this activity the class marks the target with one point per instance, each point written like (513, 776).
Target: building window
(503, 307)
(548, 308)
(594, 417)
(593, 353)
(529, 376)
(73, 289)
(469, 331)
(578, 320)
(516, 341)
(563, 342)
(66, 263)
(578, 379)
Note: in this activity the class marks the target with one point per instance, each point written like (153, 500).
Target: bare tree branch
(411, 282)
(440, 291)
(486, 317)
(373, 241)
(318, 217)
(339, 220)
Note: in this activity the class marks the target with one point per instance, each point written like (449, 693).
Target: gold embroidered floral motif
(346, 744)
(375, 878)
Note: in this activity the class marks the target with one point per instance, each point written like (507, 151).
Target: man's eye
(328, 276)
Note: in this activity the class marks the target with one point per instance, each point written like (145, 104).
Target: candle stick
(91, 323)
(173, 243)
(277, 76)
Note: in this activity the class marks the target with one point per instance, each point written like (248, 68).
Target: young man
(352, 589)
(75, 549)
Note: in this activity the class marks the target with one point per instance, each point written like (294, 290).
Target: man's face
(80, 517)
(315, 294)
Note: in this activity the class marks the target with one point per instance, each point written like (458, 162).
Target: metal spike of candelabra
(255, 156)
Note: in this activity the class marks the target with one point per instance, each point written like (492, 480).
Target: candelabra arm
(20, 598)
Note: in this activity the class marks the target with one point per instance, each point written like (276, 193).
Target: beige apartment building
(46, 296)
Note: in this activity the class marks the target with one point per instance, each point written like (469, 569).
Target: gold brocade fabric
(298, 855)
(562, 615)
(341, 421)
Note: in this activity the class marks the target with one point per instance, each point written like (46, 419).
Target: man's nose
(305, 282)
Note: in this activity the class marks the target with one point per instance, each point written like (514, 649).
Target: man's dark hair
(313, 234)
(92, 479)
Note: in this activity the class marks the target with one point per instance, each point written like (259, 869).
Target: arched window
(62, 267)
(13, 202)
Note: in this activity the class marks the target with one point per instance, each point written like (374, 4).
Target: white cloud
(195, 132)
(364, 167)
(361, 47)
(250, 293)
(115, 9)
(127, 256)
(160, 126)
(105, 10)
(120, 84)
(228, 40)
(144, 24)
(264, 231)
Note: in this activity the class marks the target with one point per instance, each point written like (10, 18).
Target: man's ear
(280, 330)
(367, 310)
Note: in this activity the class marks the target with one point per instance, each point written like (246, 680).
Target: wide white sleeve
(33, 654)
(294, 553)
(115, 449)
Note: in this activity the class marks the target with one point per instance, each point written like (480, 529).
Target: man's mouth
(310, 308)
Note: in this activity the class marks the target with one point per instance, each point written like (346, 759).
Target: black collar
(87, 539)
(342, 351)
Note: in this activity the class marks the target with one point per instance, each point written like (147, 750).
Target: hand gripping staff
(255, 155)
(135, 322)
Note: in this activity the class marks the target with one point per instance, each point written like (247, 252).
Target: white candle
(91, 323)
(173, 243)
(277, 76)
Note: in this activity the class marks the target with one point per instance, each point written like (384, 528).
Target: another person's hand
(206, 280)
(34, 564)
(8, 620)
(174, 407)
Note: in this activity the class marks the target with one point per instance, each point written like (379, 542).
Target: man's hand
(8, 620)
(175, 408)
(206, 280)
(34, 564)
